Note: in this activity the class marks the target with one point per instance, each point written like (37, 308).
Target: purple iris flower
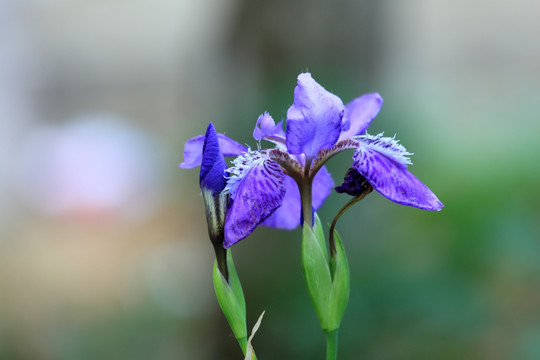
(281, 186)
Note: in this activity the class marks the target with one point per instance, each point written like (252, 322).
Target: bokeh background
(103, 245)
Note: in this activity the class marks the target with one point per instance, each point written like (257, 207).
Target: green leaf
(339, 295)
(319, 235)
(316, 273)
(233, 308)
(234, 282)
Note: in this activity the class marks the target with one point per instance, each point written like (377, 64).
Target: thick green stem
(307, 207)
(331, 344)
(306, 195)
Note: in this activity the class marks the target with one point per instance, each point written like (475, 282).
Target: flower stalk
(345, 207)
(331, 345)
(306, 200)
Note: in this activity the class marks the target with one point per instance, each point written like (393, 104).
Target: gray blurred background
(103, 245)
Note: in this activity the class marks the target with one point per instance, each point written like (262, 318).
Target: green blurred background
(103, 245)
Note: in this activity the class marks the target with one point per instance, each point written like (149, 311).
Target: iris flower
(280, 187)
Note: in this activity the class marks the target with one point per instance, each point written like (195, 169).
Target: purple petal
(257, 189)
(322, 187)
(383, 162)
(288, 215)
(362, 111)
(194, 147)
(314, 119)
(213, 166)
(266, 128)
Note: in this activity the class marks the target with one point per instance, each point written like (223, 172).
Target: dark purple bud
(354, 184)
(212, 180)
(213, 166)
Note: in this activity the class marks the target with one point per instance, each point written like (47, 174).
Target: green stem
(306, 196)
(307, 208)
(331, 344)
(334, 222)
(346, 207)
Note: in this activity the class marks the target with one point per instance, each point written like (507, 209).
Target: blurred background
(103, 243)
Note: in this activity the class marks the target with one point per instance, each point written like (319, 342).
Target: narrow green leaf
(339, 295)
(319, 235)
(234, 282)
(233, 310)
(316, 274)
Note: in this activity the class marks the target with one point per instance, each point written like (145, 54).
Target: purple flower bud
(354, 183)
(213, 166)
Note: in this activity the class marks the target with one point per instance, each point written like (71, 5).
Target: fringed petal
(383, 162)
(257, 188)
